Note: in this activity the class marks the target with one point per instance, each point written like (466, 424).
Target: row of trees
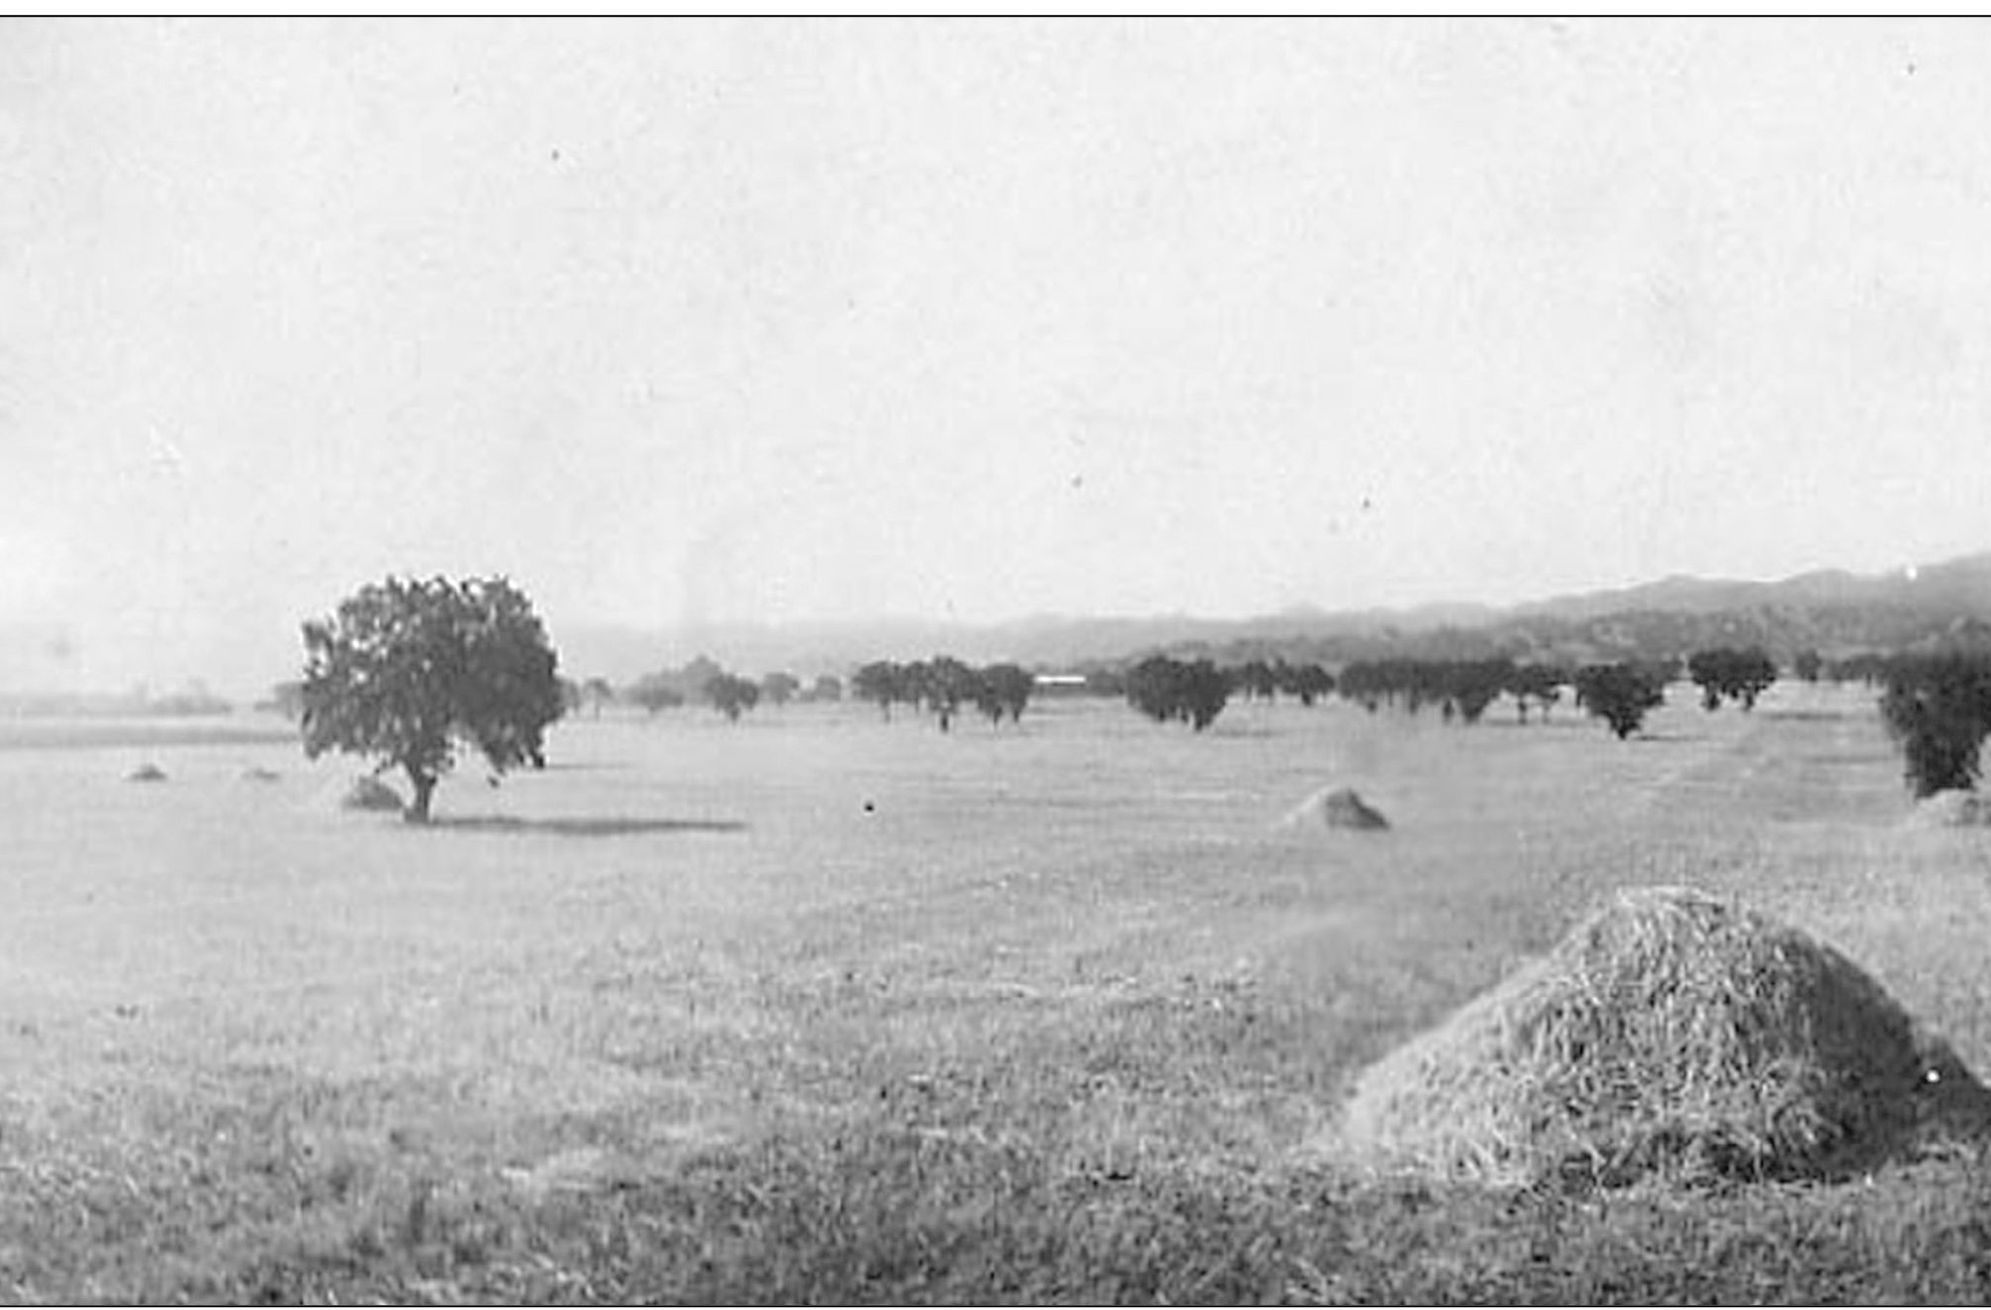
(1266, 680)
(941, 686)
(1460, 688)
(413, 670)
(1195, 692)
(729, 693)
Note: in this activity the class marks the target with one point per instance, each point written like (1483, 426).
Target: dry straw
(1951, 809)
(1672, 1034)
(368, 793)
(1335, 808)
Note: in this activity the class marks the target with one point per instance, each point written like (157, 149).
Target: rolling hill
(1835, 612)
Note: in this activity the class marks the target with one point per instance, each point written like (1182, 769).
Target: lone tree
(409, 670)
(1938, 709)
(1619, 694)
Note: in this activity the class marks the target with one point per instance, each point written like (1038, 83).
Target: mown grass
(884, 1213)
(830, 1011)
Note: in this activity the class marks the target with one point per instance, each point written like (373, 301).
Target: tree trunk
(425, 787)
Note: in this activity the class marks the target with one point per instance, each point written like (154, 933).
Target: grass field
(821, 1008)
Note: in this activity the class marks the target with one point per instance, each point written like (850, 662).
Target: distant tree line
(1265, 680)
(943, 685)
(705, 681)
(1461, 689)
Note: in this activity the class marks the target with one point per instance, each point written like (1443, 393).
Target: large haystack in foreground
(1670, 1033)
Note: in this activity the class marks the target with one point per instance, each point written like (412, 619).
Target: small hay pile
(1335, 807)
(1951, 809)
(369, 793)
(147, 772)
(1669, 1034)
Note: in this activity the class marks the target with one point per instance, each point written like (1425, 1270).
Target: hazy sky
(684, 321)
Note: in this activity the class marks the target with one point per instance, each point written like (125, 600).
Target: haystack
(370, 793)
(147, 772)
(1335, 807)
(1670, 1033)
(1951, 809)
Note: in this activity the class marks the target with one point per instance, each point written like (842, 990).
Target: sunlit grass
(820, 1008)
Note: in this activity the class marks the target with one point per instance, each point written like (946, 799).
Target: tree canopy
(1619, 694)
(1165, 689)
(1727, 674)
(1938, 710)
(731, 694)
(1004, 689)
(411, 670)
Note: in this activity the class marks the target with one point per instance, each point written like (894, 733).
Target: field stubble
(818, 1007)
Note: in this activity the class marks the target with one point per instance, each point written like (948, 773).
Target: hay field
(820, 1007)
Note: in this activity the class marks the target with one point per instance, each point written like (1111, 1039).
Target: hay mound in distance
(369, 793)
(1951, 809)
(1670, 1033)
(1335, 807)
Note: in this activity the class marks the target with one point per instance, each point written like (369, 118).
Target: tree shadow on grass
(604, 827)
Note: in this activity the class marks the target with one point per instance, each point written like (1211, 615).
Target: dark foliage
(406, 670)
(1938, 709)
(732, 695)
(1003, 689)
(1728, 674)
(654, 691)
(944, 684)
(882, 683)
(1619, 694)
(1539, 684)
(1175, 690)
